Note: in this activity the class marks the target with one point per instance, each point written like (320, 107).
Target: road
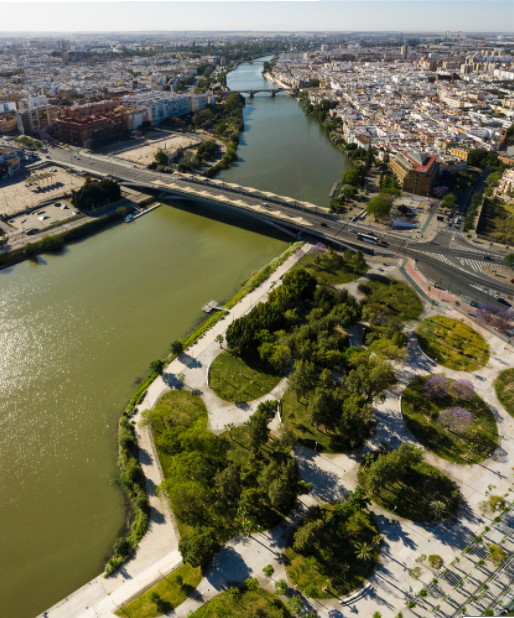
(448, 258)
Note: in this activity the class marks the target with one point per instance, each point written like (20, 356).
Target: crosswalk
(438, 256)
(476, 265)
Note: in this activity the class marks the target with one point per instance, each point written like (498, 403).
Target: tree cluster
(389, 468)
(216, 494)
(94, 193)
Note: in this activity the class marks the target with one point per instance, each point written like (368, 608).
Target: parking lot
(29, 189)
(41, 218)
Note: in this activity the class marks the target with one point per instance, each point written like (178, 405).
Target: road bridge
(300, 217)
(272, 91)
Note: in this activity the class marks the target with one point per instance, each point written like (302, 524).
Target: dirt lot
(16, 194)
(143, 152)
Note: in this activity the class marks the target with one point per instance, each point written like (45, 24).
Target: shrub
(122, 547)
(435, 561)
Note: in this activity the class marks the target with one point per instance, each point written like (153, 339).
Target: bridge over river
(272, 91)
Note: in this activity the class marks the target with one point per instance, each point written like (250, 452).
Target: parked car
(503, 302)
(30, 231)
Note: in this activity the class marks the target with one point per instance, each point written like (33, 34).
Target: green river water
(78, 330)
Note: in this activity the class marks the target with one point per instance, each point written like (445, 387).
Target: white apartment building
(162, 105)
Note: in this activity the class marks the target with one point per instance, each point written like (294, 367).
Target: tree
(358, 500)
(122, 547)
(364, 551)
(157, 366)
(252, 583)
(268, 571)
(181, 377)
(258, 431)
(306, 535)
(402, 209)
(161, 158)
(376, 615)
(449, 201)
(379, 207)
(234, 594)
(220, 339)
(155, 597)
(294, 606)
(176, 347)
(509, 260)
(347, 192)
(228, 482)
(302, 380)
(281, 587)
(437, 509)
(311, 591)
(198, 546)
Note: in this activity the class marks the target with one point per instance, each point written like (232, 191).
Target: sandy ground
(16, 194)
(143, 153)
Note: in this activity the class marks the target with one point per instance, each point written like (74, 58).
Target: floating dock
(213, 305)
(331, 194)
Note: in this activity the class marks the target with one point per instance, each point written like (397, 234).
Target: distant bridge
(272, 91)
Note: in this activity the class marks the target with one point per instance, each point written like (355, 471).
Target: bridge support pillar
(251, 94)
(273, 93)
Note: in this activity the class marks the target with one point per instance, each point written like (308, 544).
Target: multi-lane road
(448, 259)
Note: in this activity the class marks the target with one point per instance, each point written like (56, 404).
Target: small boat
(129, 218)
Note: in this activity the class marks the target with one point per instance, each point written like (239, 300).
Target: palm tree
(368, 459)
(363, 551)
(377, 539)
(220, 339)
(376, 615)
(437, 509)
(230, 426)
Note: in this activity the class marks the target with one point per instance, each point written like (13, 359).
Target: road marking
(476, 265)
(439, 256)
(485, 289)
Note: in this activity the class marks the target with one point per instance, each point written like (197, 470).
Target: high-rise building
(64, 54)
(405, 51)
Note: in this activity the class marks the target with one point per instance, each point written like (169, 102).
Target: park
(313, 454)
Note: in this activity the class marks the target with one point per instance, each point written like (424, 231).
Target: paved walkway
(334, 475)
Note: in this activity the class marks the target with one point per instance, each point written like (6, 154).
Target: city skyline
(285, 16)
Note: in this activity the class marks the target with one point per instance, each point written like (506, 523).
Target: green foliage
(250, 604)
(421, 415)
(341, 541)
(176, 347)
(452, 343)
(96, 193)
(157, 366)
(392, 299)
(161, 157)
(199, 546)
(379, 207)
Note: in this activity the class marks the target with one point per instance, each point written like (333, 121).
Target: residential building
(94, 121)
(34, 113)
(417, 171)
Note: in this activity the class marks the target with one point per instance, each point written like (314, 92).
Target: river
(78, 330)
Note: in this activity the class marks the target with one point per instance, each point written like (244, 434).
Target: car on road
(30, 231)
(488, 257)
(503, 302)
(383, 242)
(352, 231)
(323, 224)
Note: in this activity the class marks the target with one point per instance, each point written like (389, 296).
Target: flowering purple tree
(441, 191)
(456, 419)
(436, 387)
(136, 133)
(497, 317)
(462, 389)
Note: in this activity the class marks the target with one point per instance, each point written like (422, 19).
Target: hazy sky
(417, 15)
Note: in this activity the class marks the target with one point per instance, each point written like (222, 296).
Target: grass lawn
(172, 594)
(296, 419)
(452, 343)
(331, 272)
(504, 387)
(421, 416)
(497, 221)
(178, 407)
(332, 550)
(258, 603)
(413, 495)
(241, 380)
(402, 301)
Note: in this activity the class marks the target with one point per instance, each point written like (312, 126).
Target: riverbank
(128, 446)
(133, 579)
